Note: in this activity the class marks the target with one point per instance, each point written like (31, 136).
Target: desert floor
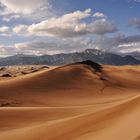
(72, 102)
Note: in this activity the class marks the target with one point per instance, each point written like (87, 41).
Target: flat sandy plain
(72, 102)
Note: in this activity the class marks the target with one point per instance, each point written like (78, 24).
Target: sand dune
(72, 102)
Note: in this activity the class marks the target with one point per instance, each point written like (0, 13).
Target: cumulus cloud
(6, 50)
(129, 44)
(25, 7)
(20, 29)
(5, 31)
(99, 15)
(39, 47)
(7, 18)
(67, 25)
(101, 27)
(31, 9)
(52, 46)
(118, 43)
(129, 47)
(72, 25)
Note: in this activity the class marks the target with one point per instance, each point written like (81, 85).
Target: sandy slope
(72, 102)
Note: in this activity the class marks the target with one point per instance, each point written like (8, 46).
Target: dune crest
(81, 101)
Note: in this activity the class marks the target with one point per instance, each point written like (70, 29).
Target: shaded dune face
(68, 84)
(82, 101)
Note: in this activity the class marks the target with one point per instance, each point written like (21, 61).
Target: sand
(72, 102)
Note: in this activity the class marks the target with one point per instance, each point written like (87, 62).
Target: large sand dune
(72, 102)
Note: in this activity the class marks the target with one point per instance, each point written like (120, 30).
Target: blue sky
(55, 26)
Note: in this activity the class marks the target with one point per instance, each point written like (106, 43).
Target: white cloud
(129, 47)
(6, 50)
(20, 29)
(7, 18)
(4, 29)
(24, 7)
(101, 27)
(99, 15)
(118, 43)
(65, 26)
(72, 25)
(28, 9)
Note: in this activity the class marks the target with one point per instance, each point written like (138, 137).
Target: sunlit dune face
(83, 102)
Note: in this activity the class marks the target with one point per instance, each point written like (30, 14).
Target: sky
(38, 27)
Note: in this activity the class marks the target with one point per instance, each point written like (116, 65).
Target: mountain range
(135, 54)
(63, 58)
